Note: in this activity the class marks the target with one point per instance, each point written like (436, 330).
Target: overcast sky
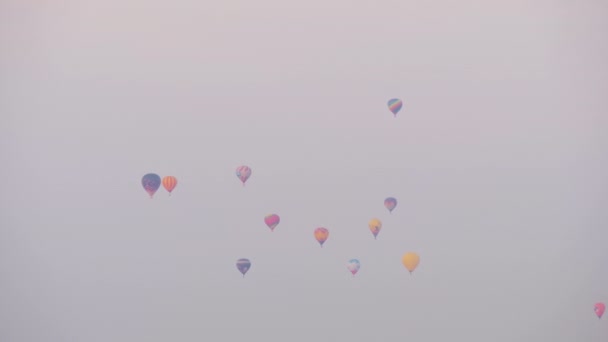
(498, 160)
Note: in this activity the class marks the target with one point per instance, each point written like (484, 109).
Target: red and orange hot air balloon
(321, 234)
(169, 183)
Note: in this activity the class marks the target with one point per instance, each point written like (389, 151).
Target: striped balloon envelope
(394, 105)
(169, 183)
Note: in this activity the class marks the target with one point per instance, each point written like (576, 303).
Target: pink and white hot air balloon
(353, 266)
(243, 172)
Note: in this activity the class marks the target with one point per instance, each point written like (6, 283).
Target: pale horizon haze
(498, 160)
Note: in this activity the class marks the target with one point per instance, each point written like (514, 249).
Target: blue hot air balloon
(243, 266)
(151, 182)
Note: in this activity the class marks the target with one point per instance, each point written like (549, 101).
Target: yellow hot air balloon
(410, 260)
(375, 225)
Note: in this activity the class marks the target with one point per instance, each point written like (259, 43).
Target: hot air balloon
(375, 225)
(353, 266)
(410, 260)
(151, 183)
(243, 266)
(394, 105)
(243, 172)
(390, 203)
(169, 182)
(599, 309)
(272, 221)
(321, 234)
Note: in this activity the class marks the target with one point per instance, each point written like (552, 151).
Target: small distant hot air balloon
(375, 225)
(321, 234)
(151, 183)
(353, 266)
(169, 182)
(599, 309)
(243, 172)
(243, 266)
(410, 260)
(394, 105)
(272, 221)
(390, 203)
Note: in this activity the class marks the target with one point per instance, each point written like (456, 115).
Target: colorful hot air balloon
(321, 234)
(599, 309)
(243, 172)
(353, 266)
(394, 105)
(151, 183)
(169, 182)
(410, 260)
(390, 203)
(272, 221)
(375, 225)
(243, 266)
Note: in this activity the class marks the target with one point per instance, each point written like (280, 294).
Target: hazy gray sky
(498, 159)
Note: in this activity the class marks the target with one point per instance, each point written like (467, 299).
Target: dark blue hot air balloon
(243, 266)
(151, 183)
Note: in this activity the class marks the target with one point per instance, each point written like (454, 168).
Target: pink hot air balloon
(599, 309)
(272, 221)
(243, 172)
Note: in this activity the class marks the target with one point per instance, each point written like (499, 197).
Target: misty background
(498, 160)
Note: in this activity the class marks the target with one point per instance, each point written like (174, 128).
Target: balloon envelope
(353, 266)
(321, 234)
(599, 309)
(151, 183)
(410, 260)
(169, 182)
(374, 226)
(390, 203)
(394, 105)
(243, 265)
(272, 221)
(243, 172)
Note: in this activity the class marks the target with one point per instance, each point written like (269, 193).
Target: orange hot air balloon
(169, 182)
(410, 260)
(321, 234)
